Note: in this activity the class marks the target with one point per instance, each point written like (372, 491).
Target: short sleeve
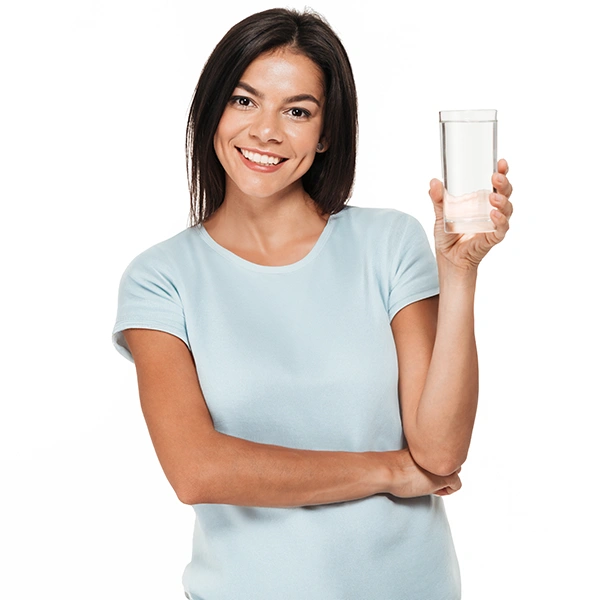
(148, 299)
(414, 269)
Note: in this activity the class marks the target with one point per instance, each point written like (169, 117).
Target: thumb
(436, 193)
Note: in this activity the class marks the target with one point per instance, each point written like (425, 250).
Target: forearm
(231, 470)
(445, 416)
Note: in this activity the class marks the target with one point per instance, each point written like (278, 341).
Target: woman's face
(268, 134)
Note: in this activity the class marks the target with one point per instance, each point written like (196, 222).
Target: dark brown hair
(330, 179)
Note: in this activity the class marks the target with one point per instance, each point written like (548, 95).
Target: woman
(308, 386)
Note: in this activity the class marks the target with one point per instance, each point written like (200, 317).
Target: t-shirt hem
(121, 345)
(403, 302)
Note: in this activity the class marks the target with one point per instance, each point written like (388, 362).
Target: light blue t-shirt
(302, 356)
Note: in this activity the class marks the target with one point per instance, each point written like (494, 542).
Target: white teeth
(260, 159)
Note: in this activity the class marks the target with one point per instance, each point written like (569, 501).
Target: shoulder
(166, 254)
(375, 216)
(382, 223)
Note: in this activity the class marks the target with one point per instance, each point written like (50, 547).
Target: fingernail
(501, 178)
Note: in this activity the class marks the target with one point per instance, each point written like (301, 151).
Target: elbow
(445, 469)
(442, 464)
(190, 491)
(186, 498)
(197, 480)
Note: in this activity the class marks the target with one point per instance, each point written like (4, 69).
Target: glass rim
(481, 115)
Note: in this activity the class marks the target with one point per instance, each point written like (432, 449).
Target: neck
(271, 222)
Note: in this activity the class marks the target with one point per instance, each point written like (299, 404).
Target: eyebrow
(297, 98)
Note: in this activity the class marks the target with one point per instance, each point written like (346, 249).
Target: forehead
(286, 72)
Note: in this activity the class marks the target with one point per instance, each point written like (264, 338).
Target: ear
(323, 145)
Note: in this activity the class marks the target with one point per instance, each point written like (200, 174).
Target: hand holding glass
(468, 143)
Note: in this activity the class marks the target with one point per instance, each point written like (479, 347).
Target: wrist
(382, 470)
(394, 471)
(451, 276)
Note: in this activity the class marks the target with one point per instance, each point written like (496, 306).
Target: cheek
(221, 142)
(305, 138)
(225, 129)
(220, 134)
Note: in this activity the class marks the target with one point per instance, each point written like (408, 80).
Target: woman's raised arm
(435, 342)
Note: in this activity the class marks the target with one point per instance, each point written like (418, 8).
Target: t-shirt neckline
(242, 262)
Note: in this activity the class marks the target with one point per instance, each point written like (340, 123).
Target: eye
(299, 113)
(241, 101)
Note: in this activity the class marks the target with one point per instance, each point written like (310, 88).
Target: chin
(263, 191)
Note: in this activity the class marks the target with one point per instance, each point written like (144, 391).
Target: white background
(94, 104)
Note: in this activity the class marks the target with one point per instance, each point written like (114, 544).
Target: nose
(266, 127)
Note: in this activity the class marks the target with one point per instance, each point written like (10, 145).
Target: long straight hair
(330, 178)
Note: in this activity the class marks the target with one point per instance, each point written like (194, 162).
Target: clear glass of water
(469, 149)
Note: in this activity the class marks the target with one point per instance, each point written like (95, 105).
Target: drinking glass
(468, 143)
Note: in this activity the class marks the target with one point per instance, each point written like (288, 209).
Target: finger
(502, 166)
(501, 223)
(436, 193)
(502, 184)
(452, 489)
(502, 203)
(456, 483)
(453, 485)
(436, 190)
(449, 489)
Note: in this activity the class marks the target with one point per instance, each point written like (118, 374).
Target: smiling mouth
(261, 159)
